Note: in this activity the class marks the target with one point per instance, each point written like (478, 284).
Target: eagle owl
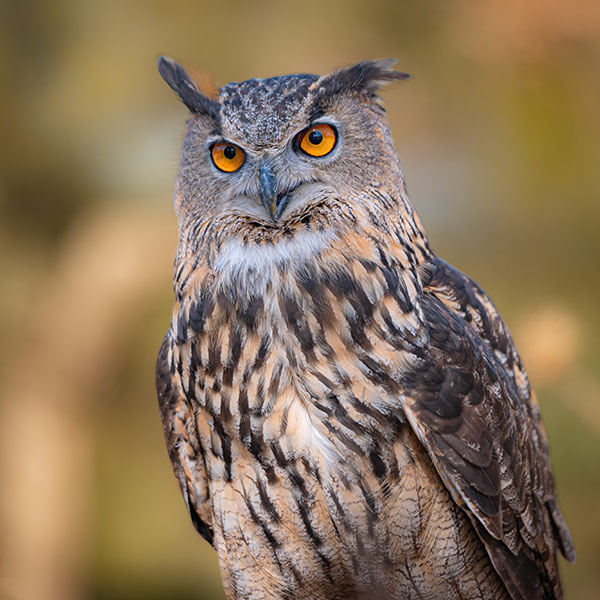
(346, 414)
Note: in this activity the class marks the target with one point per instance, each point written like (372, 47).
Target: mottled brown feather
(346, 414)
(496, 461)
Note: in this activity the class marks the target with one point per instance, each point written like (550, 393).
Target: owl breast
(315, 481)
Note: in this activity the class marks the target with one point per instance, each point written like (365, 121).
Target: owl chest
(285, 387)
(327, 490)
(266, 409)
(301, 427)
(285, 375)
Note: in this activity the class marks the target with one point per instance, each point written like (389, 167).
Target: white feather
(236, 258)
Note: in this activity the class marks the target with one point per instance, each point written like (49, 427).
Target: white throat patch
(236, 259)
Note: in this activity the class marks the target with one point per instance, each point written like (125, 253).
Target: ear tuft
(380, 73)
(366, 77)
(181, 83)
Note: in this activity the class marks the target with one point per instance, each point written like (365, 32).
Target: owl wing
(183, 443)
(471, 406)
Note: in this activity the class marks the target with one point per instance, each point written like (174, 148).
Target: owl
(346, 414)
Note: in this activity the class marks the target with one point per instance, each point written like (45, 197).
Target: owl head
(266, 158)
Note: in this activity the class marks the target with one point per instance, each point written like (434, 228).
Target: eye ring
(227, 157)
(318, 140)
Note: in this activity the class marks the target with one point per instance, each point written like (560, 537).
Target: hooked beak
(274, 203)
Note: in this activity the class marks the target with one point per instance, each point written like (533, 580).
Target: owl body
(346, 414)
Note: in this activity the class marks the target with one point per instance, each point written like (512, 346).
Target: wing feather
(183, 443)
(471, 406)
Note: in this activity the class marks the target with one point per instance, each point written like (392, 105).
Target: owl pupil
(315, 137)
(229, 152)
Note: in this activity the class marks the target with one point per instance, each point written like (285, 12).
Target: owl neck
(350, 237)
(288, 311)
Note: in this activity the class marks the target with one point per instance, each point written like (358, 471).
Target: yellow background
(499, 133)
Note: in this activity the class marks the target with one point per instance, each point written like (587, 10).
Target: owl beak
(269, 193)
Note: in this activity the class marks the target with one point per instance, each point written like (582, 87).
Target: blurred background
(499, 133)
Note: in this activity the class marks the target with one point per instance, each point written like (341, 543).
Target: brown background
(499, 135)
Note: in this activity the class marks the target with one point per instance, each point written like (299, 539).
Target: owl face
(267, 153)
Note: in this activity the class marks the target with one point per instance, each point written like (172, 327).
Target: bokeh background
(499, 132)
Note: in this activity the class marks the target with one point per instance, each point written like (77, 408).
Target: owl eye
(227, 156)
(317, 140)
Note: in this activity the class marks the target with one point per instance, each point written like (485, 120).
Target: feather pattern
(346, 414)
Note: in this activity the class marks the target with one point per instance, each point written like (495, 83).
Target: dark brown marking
(266, 501)
(379, 467)
(249, 313)
(266, 530)
(200, 310)
(244, 415)
(278, 454)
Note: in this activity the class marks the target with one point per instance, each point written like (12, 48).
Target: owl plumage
(346, 414)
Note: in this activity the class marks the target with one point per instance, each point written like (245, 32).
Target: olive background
(499, 134)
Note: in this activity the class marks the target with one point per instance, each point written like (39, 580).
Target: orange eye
(318, 140)
(227, 156)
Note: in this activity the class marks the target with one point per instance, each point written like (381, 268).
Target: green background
(499, 133)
